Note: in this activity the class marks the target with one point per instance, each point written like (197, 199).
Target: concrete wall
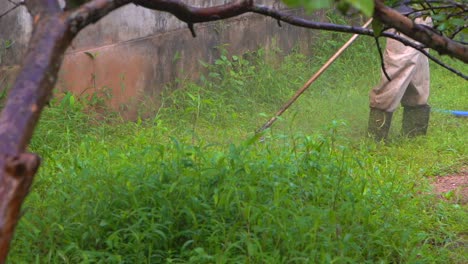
(15, 26)
(134, 51)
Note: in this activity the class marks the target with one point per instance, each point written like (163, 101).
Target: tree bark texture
(26, 99)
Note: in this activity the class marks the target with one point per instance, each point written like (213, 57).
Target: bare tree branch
(424, 52)
(455, 33)
(91, 12)
(15, 5)
(19, 171)
(382, 63)
(300, 22)
(190, 14)
(94, 10)
(19, 117)
(42, 7)
(420, 33)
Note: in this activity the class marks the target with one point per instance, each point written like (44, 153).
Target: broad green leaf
(439, 17)
(365, 6)
(343, 6)
(291, 2)
(392, 3)
(309, 4)
(458, 22)
(312, 5)
(442, 26)
(377, 27)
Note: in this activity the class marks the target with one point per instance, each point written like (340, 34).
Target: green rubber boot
(379, 123)
(415, 120)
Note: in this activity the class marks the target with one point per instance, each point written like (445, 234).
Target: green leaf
(309, 5)
(439, 17)
(457, 22)
(442, 26)
(377, 27)
(343, 6)
(91, 55)
(365, 6)
(8, 43)
(313, 5)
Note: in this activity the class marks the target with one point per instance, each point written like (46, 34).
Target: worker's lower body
(408, 70)
(415, 122)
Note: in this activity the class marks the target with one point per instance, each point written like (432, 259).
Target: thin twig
(96, 9)
(13, 2)
(430, 6)
(300, 22)
(15, 5)
(460, 29)
(382, 63)
(424, 52)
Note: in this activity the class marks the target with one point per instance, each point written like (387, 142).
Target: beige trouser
(409, 73)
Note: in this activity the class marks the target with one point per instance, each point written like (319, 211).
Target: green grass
(193, 184)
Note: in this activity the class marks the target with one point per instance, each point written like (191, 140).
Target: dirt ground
(453, 187)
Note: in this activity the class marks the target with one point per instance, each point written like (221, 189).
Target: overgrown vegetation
(193, 185)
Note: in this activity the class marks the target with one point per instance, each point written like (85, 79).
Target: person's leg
(416, 111)
(409, 73)
(379, 124)
(415, 120)
(400, 64)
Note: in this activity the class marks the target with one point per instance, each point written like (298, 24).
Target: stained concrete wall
(134, 51)
(16, 26)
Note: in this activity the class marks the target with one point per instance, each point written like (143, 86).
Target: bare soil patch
(453, 187)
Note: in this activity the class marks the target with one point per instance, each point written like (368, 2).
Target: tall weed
(194, 185)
